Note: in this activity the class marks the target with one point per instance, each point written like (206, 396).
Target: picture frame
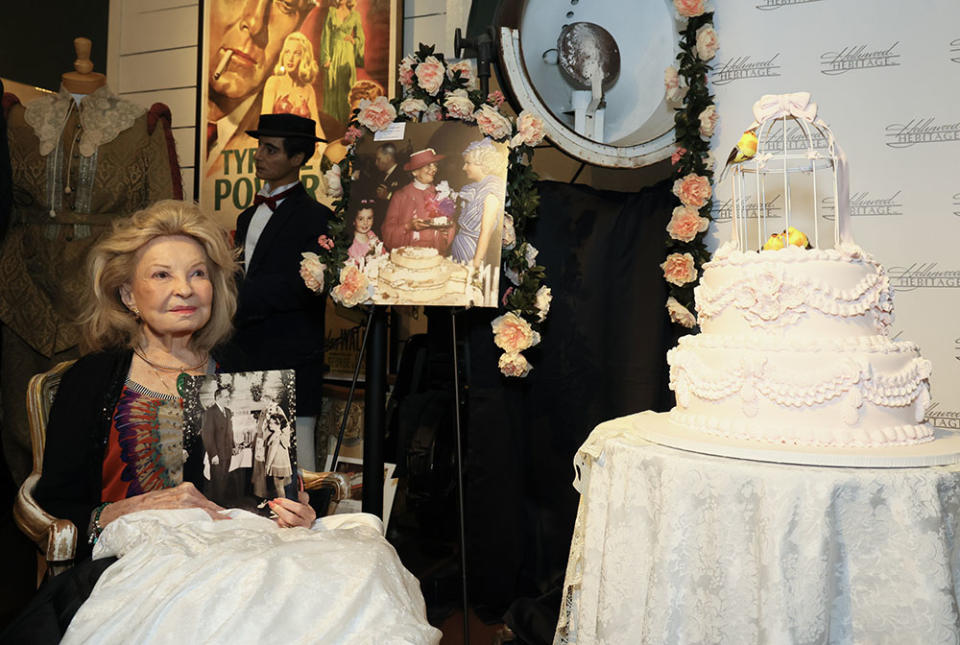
(353, 58)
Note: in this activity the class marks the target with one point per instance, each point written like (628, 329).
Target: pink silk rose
(492, 123)
(693, 190)
(459, 105)
(376, 114)
(325, 242)
(406, 71)
(352, 289)
(673, 85)
(686, 223)
(679, 269)
(514, 364)
(433, 113)
(680, 314)
(707, 43)
(352, 135)
(311, 270)
(495, 98)
(465, 67)
(412, 107)
(429, 75)
(689, 8)
(708, 121)
(678, 155)
(529, 130)
(513, 334)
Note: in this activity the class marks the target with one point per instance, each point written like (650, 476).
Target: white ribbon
(773, 106)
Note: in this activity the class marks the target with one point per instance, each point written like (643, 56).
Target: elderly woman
(481, 213)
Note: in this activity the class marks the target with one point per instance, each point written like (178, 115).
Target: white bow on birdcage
(803, 148)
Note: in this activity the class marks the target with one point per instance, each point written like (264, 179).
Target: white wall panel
(158, 29)
(412, 8)
(176, 68)
(429, 30)
(182, 103)
(185, 145)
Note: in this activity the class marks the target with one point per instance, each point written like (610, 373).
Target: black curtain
(602, 356)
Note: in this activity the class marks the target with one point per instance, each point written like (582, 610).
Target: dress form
(83, 80)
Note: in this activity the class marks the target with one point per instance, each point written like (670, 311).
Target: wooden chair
(56, 538)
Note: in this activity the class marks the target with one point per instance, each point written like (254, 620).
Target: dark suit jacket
(217, 431)
(279, 321)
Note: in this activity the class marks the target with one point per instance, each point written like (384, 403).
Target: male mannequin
(279, 320)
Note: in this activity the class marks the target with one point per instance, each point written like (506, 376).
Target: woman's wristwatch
(95, 528)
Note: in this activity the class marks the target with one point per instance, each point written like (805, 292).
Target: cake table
(675, 546)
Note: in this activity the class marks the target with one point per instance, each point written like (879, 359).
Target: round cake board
(942, 451)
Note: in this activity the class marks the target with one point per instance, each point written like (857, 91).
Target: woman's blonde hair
(106, 322)
(308, 68)
(489, 155)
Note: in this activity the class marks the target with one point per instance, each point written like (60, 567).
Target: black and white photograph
(245, 425)
(427, 214)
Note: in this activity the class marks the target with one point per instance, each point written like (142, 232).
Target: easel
(374, 430)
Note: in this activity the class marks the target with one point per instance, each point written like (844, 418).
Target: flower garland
(695, 121)
(434, 90)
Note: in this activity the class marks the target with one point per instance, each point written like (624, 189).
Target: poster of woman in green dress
(342, 44)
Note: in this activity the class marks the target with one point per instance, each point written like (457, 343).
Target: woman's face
(426, 174)
(273, 424)
(474, 170)
(170, 286)
(364, 221)
(291, 57)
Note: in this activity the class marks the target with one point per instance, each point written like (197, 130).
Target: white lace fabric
(678, 547)
(184, 578)
(103, 116)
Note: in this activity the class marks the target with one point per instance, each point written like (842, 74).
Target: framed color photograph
(426, 211)
(241, 428)
(314, 58)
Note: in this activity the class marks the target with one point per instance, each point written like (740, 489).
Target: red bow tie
(271, 202)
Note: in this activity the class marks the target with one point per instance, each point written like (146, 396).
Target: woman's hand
(185, 495)
(291, 513)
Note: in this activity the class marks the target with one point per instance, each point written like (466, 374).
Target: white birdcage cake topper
(789, 156)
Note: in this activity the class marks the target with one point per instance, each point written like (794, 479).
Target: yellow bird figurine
(745, 149)
(791, 236)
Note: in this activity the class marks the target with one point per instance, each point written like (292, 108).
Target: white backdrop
(886, 76)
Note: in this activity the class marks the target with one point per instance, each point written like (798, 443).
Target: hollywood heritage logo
(796, 138)
(956, 204)
(945, 419)
(723, 211)
(743, 67)
(857, 57)
(770, 5)
(904, 135)
(863, 205)
(922, 275)
(955, 50)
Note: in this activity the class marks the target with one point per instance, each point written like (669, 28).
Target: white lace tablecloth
(678, 547)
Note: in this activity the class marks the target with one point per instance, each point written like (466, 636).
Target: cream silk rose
(509, 236)
(433, 113)
(459, 105)
(529, 130)
(412, 107)
(514, 364)
(311, 270)
(332, 179)
(686, 223)
(352, 289)
(673, 85)
(492, 123)
(693, 190)
(376, 114)
(679, 269)
(513, 334)
(690, 8)
(680, 314)
(406, 71)
(707, 43)
(465, 67)
(544, 298)
(429, 75)
(708, 121)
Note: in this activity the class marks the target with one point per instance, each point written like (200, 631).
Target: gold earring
(135, 310)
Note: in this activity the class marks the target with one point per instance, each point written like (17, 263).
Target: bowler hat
(285, 125)
(421, 158)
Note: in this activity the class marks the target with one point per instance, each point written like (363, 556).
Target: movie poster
(313, 58)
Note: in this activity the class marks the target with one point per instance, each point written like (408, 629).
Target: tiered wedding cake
(794, 345)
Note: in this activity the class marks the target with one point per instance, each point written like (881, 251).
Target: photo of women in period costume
(342, 46)
(290, 89)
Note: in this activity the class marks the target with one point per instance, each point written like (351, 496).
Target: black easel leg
(374, 414)
(463, 525)
(353, 387)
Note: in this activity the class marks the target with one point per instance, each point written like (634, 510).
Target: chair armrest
(338, 482)
(55, 537)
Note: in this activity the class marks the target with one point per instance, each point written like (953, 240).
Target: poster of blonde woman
(442, 192)
(312, 58)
